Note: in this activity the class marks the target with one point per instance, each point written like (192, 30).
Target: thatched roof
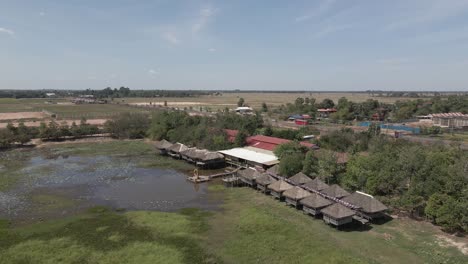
(177, 147)
(368, 203)
(337, 211)
(296, 193)
(280, 186)
(250, 174)
(273, 170)
(315, 201)
(316, 184)
(212, 156)
(163, 144)
(300, 178)
(190, 152)
(265, 179)
(335, 191)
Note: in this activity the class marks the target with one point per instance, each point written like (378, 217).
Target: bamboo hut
(263, 182)
(273, 171)
(314, 203)
(337, 214)
(294, 195)
(300, 179)
(162, 146)
(335, 191)
(248, 176)
(370, 206)
(210, 159)
(188, 154)
(316, 185)
(175, 150)
(277, 188)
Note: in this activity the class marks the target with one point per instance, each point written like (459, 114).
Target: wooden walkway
(203, 178)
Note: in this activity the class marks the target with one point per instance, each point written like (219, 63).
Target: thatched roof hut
(316, 184)
(280, 186)
(335, 191)
(300, 179)
(210, 156)
(337, 214)
(367, 203)
(163, 144)
(273, 171)
(265, 180)
(249, 176)
(177, 148)
(296, 193)
(315, 201)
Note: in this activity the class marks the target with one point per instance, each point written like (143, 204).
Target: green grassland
(251, 228)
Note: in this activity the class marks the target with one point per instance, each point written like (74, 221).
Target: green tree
(310, 164)
(264, 107)
(240, 102)
(291, 164)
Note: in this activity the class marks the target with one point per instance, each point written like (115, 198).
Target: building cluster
(332, 203)
(88, 99)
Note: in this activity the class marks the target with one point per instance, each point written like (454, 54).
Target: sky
(315, 45)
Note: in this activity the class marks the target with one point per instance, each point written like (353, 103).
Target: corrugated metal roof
(251, 155)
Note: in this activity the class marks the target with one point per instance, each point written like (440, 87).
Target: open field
(256, 99)
(250, 228)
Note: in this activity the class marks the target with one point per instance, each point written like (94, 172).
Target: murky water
(109, 181)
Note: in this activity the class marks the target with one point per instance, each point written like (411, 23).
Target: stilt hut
(188, 154)
(294, 195)
(162, 146)
(263, 182)
(300, 179)
(316, 185)
(277, 188)
(248, 176)
(337, 214)
(175, 150)
(335, 191)
(314, 203)
(210, 160)
(371, 207)
(273, 171)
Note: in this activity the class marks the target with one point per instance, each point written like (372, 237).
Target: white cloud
(211, 49)
(429, 11)
(153, 71)
(203, 18)
(170, 37)
(7, 31)
(324, 7)
(42, 13)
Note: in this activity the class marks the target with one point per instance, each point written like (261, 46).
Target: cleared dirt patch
(22, 115)
(97, 122)
(447, 241)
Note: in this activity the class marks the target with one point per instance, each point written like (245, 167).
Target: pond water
(64, 185)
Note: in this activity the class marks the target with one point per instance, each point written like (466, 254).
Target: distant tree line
(19, 135)
(101, 94)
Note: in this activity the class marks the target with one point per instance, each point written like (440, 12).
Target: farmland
(256, 99)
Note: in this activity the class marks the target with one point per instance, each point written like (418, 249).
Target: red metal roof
(232, 134)
(270, 143)
(326, 110)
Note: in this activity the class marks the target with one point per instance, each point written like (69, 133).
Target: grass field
(251, 228)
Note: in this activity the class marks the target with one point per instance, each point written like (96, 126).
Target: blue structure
(414, 130)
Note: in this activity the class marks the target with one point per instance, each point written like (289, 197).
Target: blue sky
(263, 44)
